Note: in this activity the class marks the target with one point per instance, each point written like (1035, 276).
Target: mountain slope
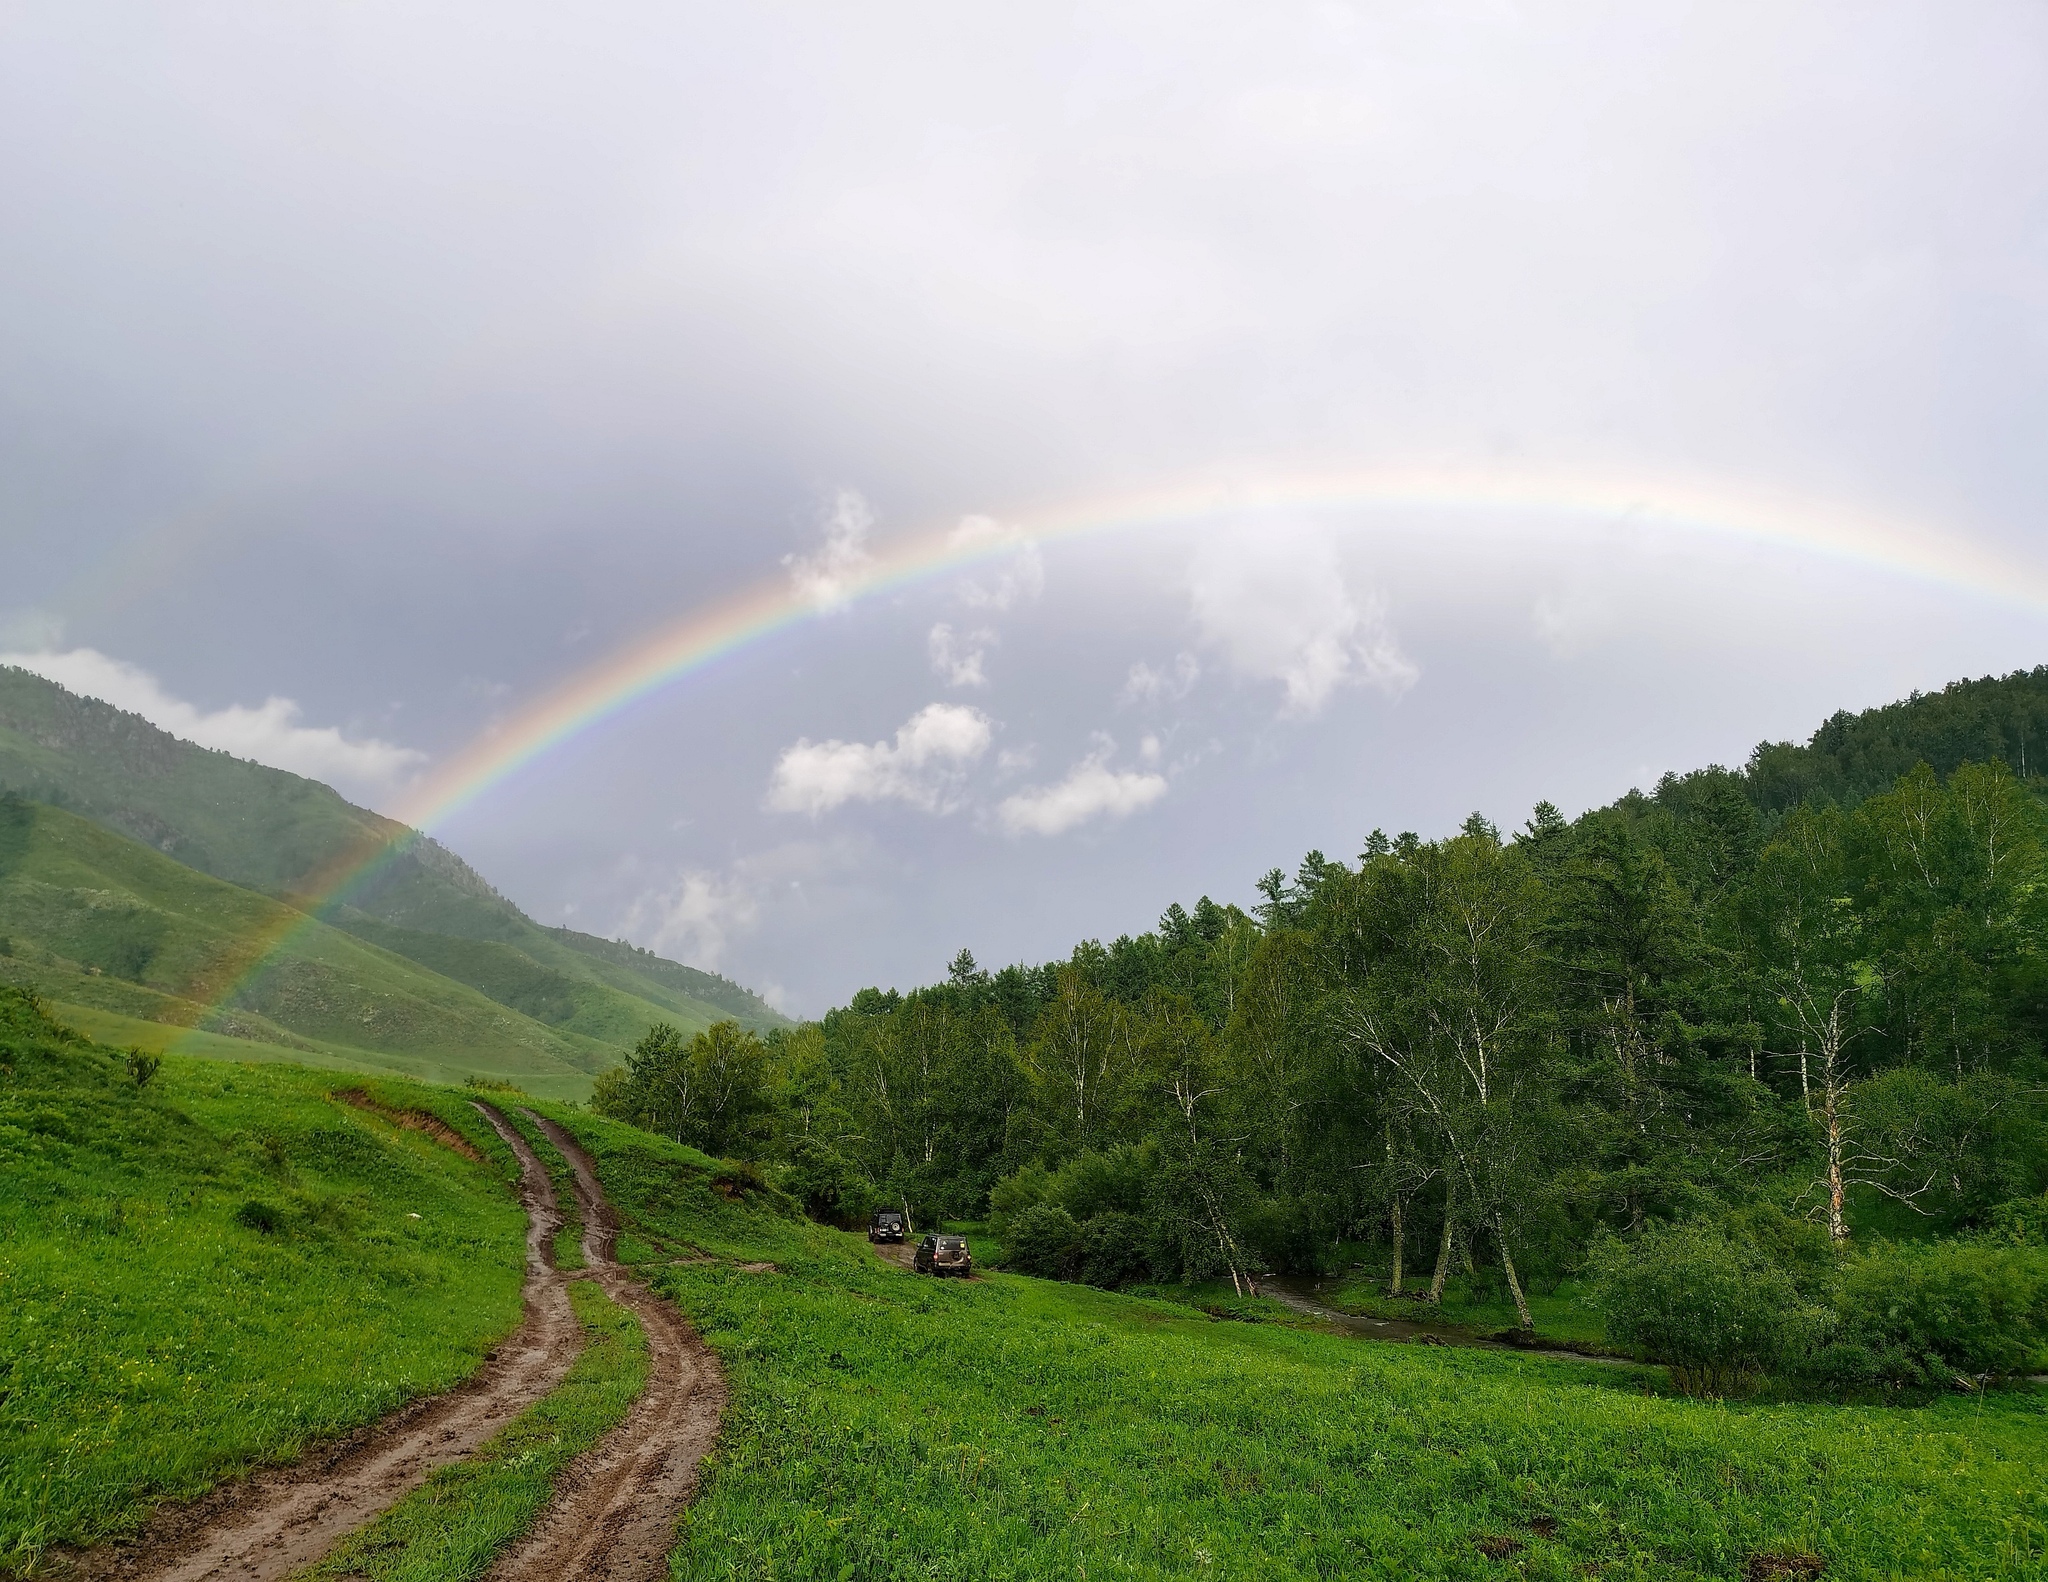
(92, 918)
(1853, 756)
(279, 833)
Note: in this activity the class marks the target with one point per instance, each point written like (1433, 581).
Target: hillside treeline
(1718, 999)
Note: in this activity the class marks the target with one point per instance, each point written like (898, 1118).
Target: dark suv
(944, 1255)
(887, 1225)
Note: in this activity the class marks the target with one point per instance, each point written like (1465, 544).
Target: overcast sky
(368, 369)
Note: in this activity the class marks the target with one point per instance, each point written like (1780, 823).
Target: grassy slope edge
(90, 917)
(888, 1425)
(155, 1338)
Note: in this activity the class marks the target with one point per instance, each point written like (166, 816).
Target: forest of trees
(1808, 997)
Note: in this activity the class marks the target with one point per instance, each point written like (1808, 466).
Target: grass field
(884, 1425)
(209, 1272)
(130, 1032)
(154, 1339)
(464, 1515)
(1559, 1314)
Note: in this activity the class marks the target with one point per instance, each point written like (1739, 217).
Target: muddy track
(266, 1526)
(614, 1512)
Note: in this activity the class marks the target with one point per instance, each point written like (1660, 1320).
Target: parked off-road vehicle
(944, 1255)
(886, 1225)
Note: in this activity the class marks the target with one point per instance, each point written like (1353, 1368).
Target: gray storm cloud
(400, 363)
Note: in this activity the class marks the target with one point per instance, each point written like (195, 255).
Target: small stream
(1300, 1296)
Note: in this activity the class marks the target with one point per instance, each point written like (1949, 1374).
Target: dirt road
(614, 1515)
(267, 1526)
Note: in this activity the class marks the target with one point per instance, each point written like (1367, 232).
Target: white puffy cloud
(269, 733)
(922, 767)
(1161, 684)
(1015, 573)
(826, 577)
(1275, 601)
(1091, 790)
(1019, 574)
(958, 656)
(695, 918)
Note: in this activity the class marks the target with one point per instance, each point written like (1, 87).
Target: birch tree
(1450, 1003)
(1813, 953)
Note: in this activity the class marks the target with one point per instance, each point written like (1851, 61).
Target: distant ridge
(1995, 719)
(269, 830)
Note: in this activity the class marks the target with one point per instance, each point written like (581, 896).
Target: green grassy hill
(207, 1272)
(1993, 719)
(278, 833)
(90, 919)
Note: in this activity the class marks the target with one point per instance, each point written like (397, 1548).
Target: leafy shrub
(1919, 1317)
(1286, 1234)
(1116, 1251)
(22, 1012)
(258, 1215)
(143, 1066)
(1102, 1183)
(1717, 1313)
(1785, 1241)
(1044, 1240)
(2021, 1223)
(1487, 1283)
(828, 1185)
(745, 1181)
(1088, 1185)
(1012, 1195)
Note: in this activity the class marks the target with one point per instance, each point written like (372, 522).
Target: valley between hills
(419, 1241)
(135, 870)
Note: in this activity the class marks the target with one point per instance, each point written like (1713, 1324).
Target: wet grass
(1560, 1314)
(217, 1269)
(455, 1524)
(887, 1425)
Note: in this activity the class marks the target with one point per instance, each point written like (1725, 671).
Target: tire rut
(266, 1526)
(613, 1517)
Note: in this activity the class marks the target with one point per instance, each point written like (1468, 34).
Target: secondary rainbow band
(770, 606)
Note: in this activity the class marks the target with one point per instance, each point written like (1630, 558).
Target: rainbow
(1360, 499)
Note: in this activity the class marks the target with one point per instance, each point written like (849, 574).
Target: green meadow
(887, 1425)
(168, 1250)
(210, 1271)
